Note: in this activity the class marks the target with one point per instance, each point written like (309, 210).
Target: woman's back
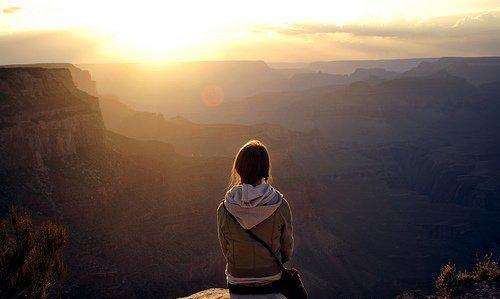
(253, 205)
(269, 220)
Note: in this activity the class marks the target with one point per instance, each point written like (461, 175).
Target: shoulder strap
(251, 234)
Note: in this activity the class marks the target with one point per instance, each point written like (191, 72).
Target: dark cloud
(12, 9)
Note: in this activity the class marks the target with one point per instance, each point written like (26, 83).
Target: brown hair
(251, 164)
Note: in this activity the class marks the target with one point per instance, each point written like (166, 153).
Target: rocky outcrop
(43, 116)
(209, 294)
(81, 78)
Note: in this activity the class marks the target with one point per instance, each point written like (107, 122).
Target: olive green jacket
(246, 257)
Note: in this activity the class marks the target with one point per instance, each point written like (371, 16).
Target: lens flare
(212, 95)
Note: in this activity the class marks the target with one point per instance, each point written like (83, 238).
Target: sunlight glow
(190, 29)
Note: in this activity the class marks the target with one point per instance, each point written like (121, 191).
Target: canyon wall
(80, 77)
(391, 183)
(125, 203)
(44, 116)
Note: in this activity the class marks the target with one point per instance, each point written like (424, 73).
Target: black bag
(290, 284)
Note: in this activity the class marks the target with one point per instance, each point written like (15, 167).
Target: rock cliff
(81, 78)
(43, 115)
(118, 197)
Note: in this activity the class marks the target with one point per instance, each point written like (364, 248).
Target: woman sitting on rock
(253, 205)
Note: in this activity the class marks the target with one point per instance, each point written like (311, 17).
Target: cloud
(358, 30)
(11, 10)
(48, 46)
(462, 35)
(455, 26)
(458, 35)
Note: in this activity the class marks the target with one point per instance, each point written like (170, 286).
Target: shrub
(482, 282)
(31, 263)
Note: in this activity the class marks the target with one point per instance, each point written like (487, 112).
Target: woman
(253, 204)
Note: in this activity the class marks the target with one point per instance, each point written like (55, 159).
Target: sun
(157, 33)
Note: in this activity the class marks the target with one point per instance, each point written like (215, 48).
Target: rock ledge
(210, 294)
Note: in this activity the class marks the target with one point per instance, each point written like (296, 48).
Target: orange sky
(104, 31)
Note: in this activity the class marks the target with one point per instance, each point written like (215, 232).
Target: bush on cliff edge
(31, 263)
(481, 282)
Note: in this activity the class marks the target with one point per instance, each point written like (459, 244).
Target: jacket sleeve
(286, 232)
(222, 238)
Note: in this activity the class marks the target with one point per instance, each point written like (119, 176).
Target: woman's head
(251, 165)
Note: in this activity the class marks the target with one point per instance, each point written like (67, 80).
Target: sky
(277, 31)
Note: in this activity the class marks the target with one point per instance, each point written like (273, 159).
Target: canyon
(388, 178)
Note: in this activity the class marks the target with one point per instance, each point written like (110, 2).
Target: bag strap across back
(251, 234)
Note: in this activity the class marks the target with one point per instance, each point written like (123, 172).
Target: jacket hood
(251, 205)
